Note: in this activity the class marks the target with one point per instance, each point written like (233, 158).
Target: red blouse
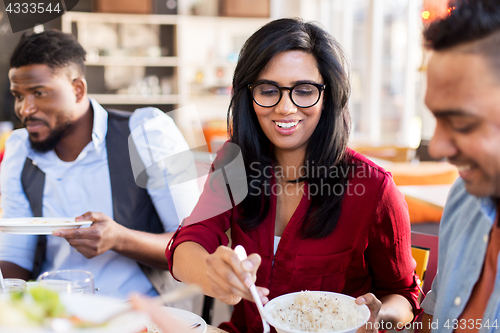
(368, 251)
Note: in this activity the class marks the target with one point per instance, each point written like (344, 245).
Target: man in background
(72, 158)
(463, 93)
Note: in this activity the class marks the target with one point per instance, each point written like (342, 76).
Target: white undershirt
(276, 243)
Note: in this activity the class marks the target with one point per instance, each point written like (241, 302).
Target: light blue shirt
(463, 239)
(73, 188)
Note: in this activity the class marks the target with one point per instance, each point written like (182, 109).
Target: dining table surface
(434, 195)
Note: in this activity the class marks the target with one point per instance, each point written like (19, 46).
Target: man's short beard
(53, 139)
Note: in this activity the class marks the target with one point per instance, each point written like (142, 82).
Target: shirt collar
(100, 127)
(489, 207)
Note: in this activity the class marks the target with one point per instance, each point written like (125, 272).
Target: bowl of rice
(316, 311)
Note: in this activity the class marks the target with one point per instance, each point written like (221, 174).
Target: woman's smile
(286, 127)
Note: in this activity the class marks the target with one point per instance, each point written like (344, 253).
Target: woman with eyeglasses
(317, 215)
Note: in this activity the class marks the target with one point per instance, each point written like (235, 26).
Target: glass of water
(13, 286)
(70, 281)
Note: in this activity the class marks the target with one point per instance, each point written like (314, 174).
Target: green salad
(31, 308)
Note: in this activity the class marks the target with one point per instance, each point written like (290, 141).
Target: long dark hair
(327, 144)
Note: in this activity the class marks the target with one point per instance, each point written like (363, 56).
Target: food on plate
(30, 308)
(47, 222)
(317, 312)
(150, 328)
(34, 308)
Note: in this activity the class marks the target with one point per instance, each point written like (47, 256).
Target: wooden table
(212, 329)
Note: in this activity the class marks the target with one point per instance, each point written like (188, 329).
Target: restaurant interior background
(179, 55)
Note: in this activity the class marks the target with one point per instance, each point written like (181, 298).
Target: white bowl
(269, 307)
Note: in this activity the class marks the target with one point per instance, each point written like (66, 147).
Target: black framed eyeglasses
(304, 95)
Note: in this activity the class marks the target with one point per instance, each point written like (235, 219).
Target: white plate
(189, 317)
(39, 225)
(288, 298)
(93, 308)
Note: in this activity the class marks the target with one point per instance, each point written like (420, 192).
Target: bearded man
(72, 160)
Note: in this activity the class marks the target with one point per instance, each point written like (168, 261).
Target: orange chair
(215, 132)
(423, 173)
(388, 153)
(421, 256)
(425, 253)
(406, 173)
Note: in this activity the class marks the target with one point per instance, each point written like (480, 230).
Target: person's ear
(80, 88)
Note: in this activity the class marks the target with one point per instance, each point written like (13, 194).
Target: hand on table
(231, 278)
(100, 237)
(374, 304)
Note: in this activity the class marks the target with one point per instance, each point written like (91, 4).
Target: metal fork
(196, 325)
(242, 255)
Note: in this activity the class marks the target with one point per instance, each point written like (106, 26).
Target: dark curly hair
(52, 48)
(327, 144)
(474, 25)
